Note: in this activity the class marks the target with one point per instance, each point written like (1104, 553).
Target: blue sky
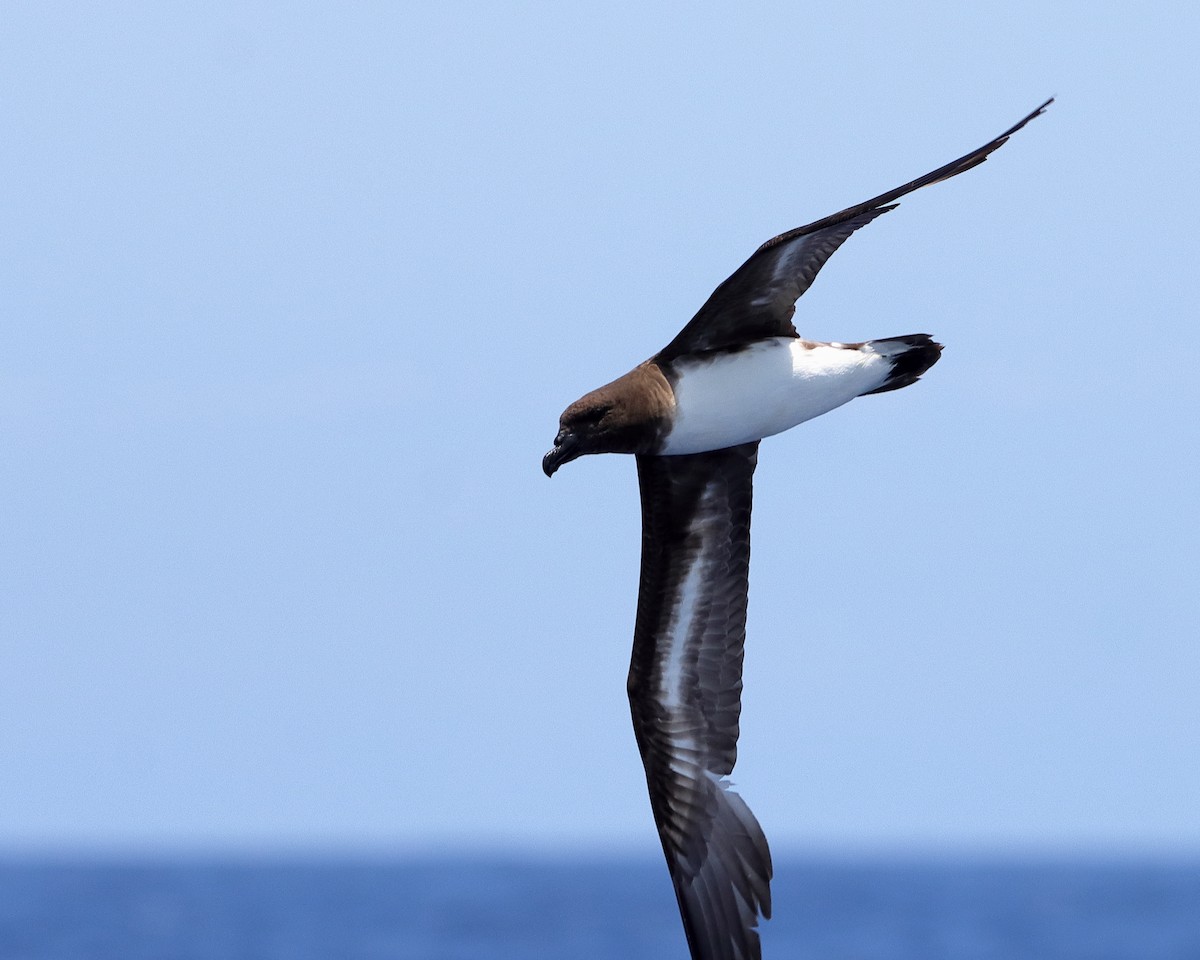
(293, 298)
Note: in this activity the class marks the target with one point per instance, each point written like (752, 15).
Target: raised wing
(759, 299)
(685, 687)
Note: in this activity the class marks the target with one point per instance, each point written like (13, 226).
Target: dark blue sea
(470, 909)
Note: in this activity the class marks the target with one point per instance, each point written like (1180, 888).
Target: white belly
(766, 389)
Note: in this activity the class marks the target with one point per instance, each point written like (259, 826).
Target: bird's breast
(727, 398)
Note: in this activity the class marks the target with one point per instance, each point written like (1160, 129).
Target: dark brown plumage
(759, 298)
(696, 510)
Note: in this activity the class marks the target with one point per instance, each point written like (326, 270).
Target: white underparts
(771, 386)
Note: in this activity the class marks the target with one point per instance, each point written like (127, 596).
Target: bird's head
(592, 424)
(625, 416)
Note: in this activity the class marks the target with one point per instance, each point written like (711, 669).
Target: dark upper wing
(758, 300)
(685, 686)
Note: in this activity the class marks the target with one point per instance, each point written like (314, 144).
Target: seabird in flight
(693, 415)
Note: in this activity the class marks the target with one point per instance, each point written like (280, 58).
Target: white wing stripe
(678, 633)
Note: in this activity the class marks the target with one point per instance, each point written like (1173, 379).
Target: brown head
(629, 415)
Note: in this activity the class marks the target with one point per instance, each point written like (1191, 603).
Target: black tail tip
(911, 356)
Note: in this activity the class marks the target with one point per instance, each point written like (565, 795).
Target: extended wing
(685, 686)
(759, 299)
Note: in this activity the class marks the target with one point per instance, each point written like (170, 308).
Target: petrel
(693, 415)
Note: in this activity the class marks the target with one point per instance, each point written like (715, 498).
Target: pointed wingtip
(1040, 110)
(1017, 126)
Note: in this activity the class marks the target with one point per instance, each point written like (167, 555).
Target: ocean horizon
(490, 905)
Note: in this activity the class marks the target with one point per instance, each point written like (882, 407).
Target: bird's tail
(910, 357)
